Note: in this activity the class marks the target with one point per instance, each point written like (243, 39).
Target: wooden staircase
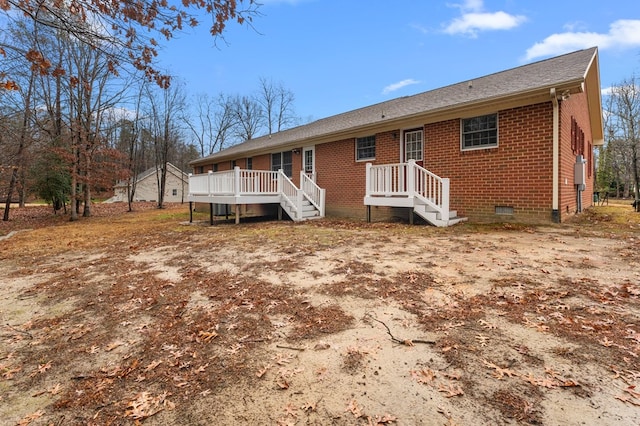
(304, 203)
(435, 218)
(409, 185)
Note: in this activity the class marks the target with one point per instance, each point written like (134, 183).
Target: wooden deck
(236, 187)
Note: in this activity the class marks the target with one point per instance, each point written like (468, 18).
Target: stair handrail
(291, 193)
(430, 188)
(312, 192)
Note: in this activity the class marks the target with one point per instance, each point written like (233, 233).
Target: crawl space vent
(504, 210)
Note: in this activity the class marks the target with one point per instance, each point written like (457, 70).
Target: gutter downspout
(555, 197)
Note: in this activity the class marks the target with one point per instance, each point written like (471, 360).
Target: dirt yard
(143, 318)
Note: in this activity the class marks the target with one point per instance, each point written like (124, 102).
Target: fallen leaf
(354, 409)
(282, 383)
(113, 345)
(290, 410)
(482, 339)
(321, 346)
(282, 359)
(424, 376)
(31, 417)
(499, 372)
(152, 365)
(207, 336)
(487, 325)
(385, 419)
(451, 390)
(145, 405)
(263, 371)
(55, 389)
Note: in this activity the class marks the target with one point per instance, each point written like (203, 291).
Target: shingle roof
(565, 69)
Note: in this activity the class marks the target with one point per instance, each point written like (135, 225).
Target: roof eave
(460, 110)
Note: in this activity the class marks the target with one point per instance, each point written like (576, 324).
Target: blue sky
(339, 55)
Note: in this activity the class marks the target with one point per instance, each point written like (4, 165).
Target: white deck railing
(239, 182)
(408, 180)
(234, 182)
(315, 194)
(291, 193)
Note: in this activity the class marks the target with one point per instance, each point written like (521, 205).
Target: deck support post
(210, 213)
(369, 214)
(279, 212)
(410, 216)
(237, 214)
(190, 211)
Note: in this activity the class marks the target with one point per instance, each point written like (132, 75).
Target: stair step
(435, 217)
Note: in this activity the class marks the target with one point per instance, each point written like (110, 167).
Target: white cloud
(623, 34)
(606, 91)
(473, 5)
(399, 85)
(471, 23)
(474, 20)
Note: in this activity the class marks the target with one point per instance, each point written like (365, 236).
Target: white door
(309, 162)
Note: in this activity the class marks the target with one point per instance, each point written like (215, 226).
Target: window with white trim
(366, 148)
(480, 132)
(308, 161)
(284, 161)
(413, 145)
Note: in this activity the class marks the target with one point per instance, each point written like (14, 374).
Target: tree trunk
(74, 188)
(636, 177)
(22, 187)
(87, 189)
(21, 145)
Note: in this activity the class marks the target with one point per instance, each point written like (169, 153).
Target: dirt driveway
(144, 318)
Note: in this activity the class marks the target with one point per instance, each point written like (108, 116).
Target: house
(146, 188)
(516, 145)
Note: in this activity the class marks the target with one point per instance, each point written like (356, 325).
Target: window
(174, 192)
(215, 167)
(366, 148)
(250, 163)
(413, 145)
(308, 161)
(480, 132)
(233, 164)
(284, 161)
(200, 169)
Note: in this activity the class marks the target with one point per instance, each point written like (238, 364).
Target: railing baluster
(398, 179)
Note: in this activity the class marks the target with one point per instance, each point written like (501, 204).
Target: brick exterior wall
(575, 107)
(516, 174)
(343, 177)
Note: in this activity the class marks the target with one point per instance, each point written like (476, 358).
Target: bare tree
(89, 98)
(249, 117)
(277, 105)
(22, 112)
(213, 122)
(165, 111)
(625, 127)
(134, 28)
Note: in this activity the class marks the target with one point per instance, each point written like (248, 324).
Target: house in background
(516, 145)
(176, 186)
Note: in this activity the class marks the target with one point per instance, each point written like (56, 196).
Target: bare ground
(142, 318)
